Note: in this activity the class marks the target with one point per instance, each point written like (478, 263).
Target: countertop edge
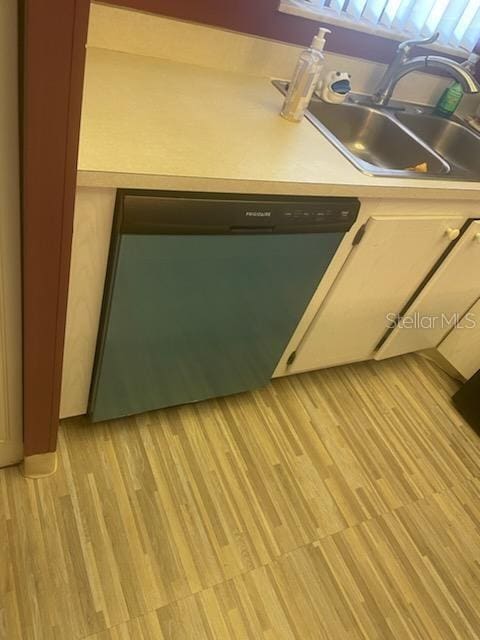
(108, 180)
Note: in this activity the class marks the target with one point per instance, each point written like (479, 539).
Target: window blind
(457, 21)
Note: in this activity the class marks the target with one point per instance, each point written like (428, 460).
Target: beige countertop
(158, 124)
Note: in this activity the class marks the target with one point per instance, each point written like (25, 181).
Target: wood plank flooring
(338, 504)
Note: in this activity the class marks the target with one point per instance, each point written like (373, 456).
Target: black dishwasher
(204, 291)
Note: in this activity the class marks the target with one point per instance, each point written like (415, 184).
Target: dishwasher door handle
(247, 230)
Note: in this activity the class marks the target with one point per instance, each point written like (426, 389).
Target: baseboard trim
(40, 465)
(435, 356)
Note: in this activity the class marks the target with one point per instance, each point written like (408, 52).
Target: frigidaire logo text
(258, 214)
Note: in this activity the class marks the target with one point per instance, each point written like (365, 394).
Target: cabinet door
(447, 296)
(380, 275)
(462, 345)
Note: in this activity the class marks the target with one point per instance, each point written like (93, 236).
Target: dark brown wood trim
(54, 58)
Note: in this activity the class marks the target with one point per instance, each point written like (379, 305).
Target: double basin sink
(401, 140)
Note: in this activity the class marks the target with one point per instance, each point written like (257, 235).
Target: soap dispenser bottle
(452, 96)
(305, 79)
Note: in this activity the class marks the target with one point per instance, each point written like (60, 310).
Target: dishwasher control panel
(161, 212)
(301, 214)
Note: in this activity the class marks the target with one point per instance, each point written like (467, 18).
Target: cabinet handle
(476, 237)
(452, 234)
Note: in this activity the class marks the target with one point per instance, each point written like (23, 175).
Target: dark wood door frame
(54, 35)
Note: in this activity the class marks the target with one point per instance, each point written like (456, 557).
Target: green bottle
(452, 96)
(449, 101)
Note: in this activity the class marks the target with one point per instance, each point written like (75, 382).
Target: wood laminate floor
(334, 505)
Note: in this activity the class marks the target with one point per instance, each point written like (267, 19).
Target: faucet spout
(403, 64)
(453, 68)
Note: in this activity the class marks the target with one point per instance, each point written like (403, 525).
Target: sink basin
(374, 141)
(394, 140)
(457, 144)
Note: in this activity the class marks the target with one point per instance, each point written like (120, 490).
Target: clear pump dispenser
(305, 79)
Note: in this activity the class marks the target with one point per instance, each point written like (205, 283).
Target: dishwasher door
(188, 317)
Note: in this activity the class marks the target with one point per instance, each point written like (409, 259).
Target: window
(458, 21)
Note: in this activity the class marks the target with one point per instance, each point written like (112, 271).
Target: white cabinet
(346, 318)
(461, 347)
(379, 277)
(90, 245)
(447, 296)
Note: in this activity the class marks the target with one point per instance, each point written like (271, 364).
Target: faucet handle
(408, 45)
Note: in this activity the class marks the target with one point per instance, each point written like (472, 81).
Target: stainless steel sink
(374, 141)
(457, 144)
(394, 140)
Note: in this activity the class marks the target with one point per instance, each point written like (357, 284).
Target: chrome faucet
(403, 64)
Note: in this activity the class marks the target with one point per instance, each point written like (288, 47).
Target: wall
(262, 18)
(121, 29)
